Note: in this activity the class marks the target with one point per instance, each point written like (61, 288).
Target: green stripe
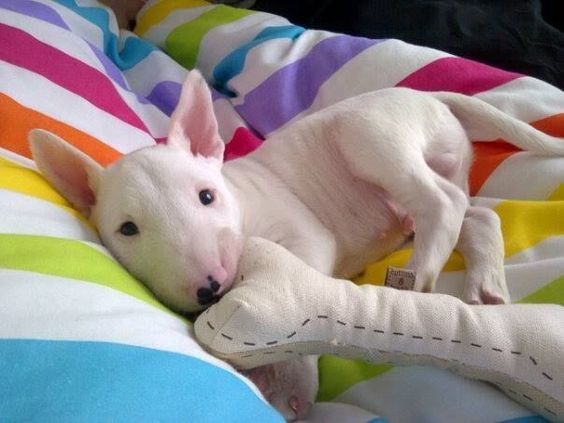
(183, 42)
(336, 375)
(70, 259)
(551, 293)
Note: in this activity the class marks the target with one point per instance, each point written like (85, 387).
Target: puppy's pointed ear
(75, 175)
(193, 122)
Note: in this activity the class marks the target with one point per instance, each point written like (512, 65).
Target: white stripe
(375, 68)
(26, 215)
(425, 394)
(331, 412)
(37, 306)
(143, 76)
(271, 56)
(525, 176)
(228, 119)
(79, 26)
(17, 159)
(224, 39)
(54, 101)
(527, 99)
(159, 32)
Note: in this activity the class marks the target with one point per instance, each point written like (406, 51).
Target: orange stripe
(489, 155)
(17, 120)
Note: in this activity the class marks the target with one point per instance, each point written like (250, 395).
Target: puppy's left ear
(193, 123)
(73, 174)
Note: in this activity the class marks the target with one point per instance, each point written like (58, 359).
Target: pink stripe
(20, 49)
(243, 142)
(457, 75)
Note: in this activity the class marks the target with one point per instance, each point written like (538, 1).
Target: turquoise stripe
(65, 381)
(528, 419)
(134, 49)
(233, 63)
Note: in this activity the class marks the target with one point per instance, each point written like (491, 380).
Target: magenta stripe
(457, 75)
(21, 49)
(293, 88)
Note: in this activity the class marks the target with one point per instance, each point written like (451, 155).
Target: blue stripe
(43, 381)
(134, 49)
(528, 419)
(233, 63)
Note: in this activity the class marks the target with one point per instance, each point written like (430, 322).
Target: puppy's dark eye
(206, 197)
(129, 229)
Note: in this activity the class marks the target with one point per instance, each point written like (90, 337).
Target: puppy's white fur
(340, 188)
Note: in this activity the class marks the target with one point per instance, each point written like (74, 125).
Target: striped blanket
(81, 340)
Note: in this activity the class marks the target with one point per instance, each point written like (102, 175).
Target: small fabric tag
(400, 278)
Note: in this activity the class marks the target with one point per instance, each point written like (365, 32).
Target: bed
(82, 340)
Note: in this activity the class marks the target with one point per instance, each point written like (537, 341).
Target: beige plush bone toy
(281, 308)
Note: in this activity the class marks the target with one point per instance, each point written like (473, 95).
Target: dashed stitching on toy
(550, 411)
(379, 331)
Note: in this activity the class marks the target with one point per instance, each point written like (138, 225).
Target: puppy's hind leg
(481, 244)
(437, 205)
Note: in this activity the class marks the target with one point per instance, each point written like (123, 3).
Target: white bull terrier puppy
(340, 188)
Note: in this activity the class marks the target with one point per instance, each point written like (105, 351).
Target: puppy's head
(165, 212)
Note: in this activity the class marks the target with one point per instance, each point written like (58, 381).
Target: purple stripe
(34, 9)
(165, 96)
(293, 88)
(111, 69)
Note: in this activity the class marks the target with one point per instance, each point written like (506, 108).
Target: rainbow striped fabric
(80, 339)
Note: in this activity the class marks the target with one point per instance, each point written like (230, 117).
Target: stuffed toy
(281, 308)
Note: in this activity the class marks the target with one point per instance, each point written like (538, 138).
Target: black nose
(205, 295)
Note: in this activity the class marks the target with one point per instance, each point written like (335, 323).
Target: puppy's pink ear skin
(73, 174)
(193, 122)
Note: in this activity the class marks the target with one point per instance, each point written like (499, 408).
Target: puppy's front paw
(486, 287)
(289, 386)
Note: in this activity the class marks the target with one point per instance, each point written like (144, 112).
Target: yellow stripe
(157, 13)
(14, 177)
(524, 224)
(558, 194)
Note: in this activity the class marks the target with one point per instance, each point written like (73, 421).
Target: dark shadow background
(524, 36)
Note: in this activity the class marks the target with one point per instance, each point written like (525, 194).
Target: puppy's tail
(483, 121)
